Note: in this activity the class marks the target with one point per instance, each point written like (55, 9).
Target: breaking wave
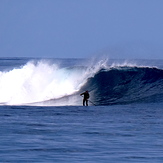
(39, 81)
(43, 83)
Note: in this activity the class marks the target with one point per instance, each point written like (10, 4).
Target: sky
(120, 29)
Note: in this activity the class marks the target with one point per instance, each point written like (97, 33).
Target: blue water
(120, 131)
(128, 133)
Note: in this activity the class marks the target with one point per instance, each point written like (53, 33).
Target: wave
(44, 83)
(125, 84)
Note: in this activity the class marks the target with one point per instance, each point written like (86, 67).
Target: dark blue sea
(42, 118)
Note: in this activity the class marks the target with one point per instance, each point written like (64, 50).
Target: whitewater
(40, 80)
(42, 118)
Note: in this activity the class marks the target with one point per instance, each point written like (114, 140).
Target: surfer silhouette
(86, 97)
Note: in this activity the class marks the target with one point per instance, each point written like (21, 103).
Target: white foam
(41, 81)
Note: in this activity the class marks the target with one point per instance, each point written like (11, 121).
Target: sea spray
(40, 81)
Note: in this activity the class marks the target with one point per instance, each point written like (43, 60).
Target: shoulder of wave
(129, 65)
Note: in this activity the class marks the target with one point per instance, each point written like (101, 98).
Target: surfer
(86, 97)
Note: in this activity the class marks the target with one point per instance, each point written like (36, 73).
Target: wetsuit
(86, 97)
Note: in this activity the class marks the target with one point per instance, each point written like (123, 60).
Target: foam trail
(41, 81)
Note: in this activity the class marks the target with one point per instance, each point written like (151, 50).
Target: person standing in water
(86, 97)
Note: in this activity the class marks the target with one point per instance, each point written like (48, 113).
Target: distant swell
(122, 85)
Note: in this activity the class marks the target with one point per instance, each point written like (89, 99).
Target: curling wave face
(122, 85)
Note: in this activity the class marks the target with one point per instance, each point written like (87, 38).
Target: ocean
(42, 118)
